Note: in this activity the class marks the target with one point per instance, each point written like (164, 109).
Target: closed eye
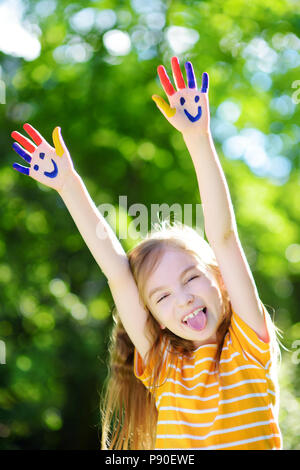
(162, 298)
(194, 277)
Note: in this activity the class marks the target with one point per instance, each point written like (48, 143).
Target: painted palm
(189, 108)
(48, 165)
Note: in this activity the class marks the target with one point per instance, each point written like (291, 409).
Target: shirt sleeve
(245, 340)
(144, 372)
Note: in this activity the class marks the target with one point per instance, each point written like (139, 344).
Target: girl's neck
(209, 342)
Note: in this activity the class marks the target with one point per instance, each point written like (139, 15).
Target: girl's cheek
(205, 289)
(164, 306)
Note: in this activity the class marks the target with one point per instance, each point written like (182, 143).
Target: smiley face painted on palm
(188, 105)
(49, 165)
(36, 155)
(186, 112)
(49, 174)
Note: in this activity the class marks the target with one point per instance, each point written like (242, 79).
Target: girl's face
(179, 287)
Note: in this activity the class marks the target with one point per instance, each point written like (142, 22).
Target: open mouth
(196, 320)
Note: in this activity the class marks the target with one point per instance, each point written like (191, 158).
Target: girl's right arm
(111, 258)
(54, 168)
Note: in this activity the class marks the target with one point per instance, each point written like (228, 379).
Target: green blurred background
(90, 67)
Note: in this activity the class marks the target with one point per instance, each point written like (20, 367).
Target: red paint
(177, 73)
(33, 134)
(165, 81)
(23, 141)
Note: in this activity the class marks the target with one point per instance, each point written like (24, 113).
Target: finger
(178, 78)
(163, 106)
(205, 81)
(21, 169)
(23, 141)
(190, 75)
(165, 81)
(35, 135)
(60, 146)
(17, 148)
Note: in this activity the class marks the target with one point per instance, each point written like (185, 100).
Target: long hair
(128, 411)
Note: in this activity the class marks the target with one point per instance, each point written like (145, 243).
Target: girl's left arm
(189, 113)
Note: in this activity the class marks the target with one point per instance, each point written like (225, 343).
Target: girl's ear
(162, 327)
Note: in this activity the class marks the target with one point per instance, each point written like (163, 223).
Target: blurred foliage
(94, 77)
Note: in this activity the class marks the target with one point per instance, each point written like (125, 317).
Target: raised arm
(53, 167)
(107, 251)
(188, 112)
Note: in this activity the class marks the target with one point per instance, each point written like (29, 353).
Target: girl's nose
(185, 298)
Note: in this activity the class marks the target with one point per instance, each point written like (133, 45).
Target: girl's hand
(189, 108)
(48, 165)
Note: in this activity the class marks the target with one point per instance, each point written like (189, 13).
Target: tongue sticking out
(198, 322)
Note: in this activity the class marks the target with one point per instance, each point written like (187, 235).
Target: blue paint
(204, 82)
(197, 98)
(52, 174)
(190, 75)
(25, 156)
(42, 156)
(182, 101)
(194, 118)
(21, 169)
(17, 148)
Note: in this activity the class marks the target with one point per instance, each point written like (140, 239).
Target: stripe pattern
(233, 408)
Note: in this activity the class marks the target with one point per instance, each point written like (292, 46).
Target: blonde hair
(128, 411)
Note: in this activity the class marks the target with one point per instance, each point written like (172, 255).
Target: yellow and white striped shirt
(237, 408)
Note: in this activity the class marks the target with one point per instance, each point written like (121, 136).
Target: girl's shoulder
(241, 338)
(158, 358)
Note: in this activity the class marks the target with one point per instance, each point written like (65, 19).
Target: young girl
(193, 352)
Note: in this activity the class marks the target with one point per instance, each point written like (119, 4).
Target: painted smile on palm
(49, 174)
(190, 116)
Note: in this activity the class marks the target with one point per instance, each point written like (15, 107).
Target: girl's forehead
(173, 262)
(177, 257)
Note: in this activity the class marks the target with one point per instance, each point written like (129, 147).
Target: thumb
(60, 146)
(163, 106)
